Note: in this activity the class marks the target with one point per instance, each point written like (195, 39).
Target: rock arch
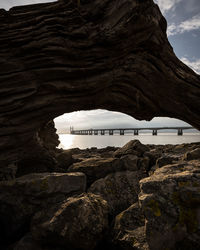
(62, 57)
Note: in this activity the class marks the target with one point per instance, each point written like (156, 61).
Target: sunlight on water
(88, 141)
(66, 141)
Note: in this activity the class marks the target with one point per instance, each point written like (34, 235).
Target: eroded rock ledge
(138, 197)
(62, 57)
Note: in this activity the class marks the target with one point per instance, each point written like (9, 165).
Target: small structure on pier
(121, 131)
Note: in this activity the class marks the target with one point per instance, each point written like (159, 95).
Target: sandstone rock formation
(96, 168)
(61, 57)
(48, 137)
(170, 200)
(21, 198)
(77, 223)
(119, 189)
(64, 159)
(129, 231)
(134, 147)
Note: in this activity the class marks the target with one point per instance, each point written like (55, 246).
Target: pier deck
(121, 131)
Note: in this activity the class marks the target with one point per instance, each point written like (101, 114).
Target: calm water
(88, 141)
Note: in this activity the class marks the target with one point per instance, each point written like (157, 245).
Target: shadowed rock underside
(62, 57)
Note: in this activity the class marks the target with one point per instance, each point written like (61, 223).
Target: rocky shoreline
(135, 197)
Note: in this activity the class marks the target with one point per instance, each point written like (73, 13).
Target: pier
(123, 131)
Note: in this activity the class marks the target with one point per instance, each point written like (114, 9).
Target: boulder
(96, 168)
(153, 155)
(133, 163)
(38, 159)
(130, 162)
(192, 155)
(128, 231)
(170, 199)
(119, 189)
(133, 147)
(166, 159)
(144, 164)
(77, 223)
(24, 196)
(64, 159)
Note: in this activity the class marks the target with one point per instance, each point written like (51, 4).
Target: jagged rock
(96, 168)
(22, 197)
(134, 163)
(39, 162)
(38, 157)
(61, 57)
(119, 189)
(153, 155)
(128, 231)
(192, 155)
(48, 136)
(166, 159)
(65, 159)
(180, 149)
(130, 162)
(40, 154)
(133, 147)
(144, 164)
(170, 199)
(77, 223)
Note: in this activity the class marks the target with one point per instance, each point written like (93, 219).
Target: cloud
(195, 65)
(167, 5)
(107, 119)
(185, 26)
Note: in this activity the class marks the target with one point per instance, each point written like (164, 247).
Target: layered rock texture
(80, 55)
(145, 197)
(77, 55)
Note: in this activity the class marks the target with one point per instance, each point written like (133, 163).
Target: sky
(183, 18)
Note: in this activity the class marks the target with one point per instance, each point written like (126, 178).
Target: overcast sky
(183, 17)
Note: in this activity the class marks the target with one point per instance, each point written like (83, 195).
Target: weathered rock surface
(119, 189)
(133, 147)
(170, 199)
(166, 159)
(65, 159)
(48, 136)
(130, 162)
(22, 197)
(60, 57)
(129, 231)
(77, 223)
(192, 155)
(169, 202)
(40, 161)
(153, 155)
(96, 168)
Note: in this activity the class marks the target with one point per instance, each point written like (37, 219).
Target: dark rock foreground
(143, 197)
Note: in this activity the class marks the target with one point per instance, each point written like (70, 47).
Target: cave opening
(102, 128)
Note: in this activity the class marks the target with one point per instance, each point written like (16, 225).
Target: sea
(68, 141)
